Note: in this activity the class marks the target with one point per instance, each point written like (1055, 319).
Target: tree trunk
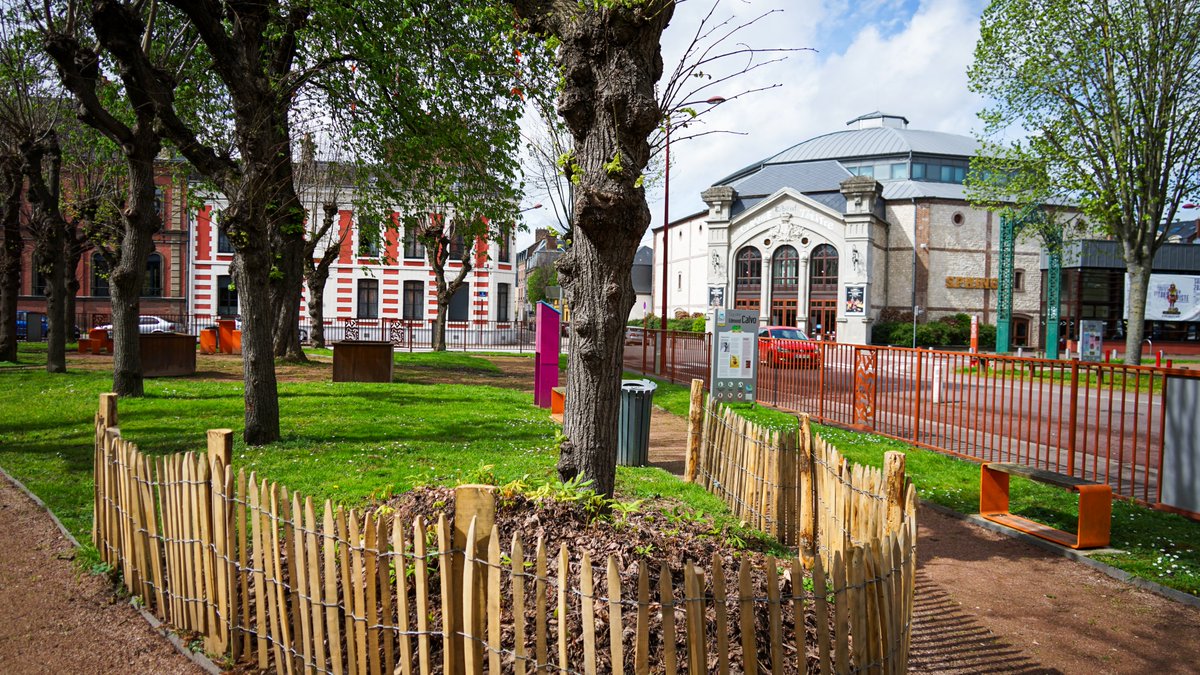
(316, 307)
(611, 61)
(438, 337)
(10, 258)
(288, 244)
(56, 292)
(261, 397)
(1135, 328)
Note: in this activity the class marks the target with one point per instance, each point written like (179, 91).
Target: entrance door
(785, 286)
(823, 293)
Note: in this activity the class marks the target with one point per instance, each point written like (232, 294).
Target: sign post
(974, 333)
(734, 355)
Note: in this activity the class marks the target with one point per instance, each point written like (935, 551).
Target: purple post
(545, 361)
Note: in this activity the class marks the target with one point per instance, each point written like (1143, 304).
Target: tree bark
(129, 274)
(287, 239)
(1135, 326)
(10, 256)
(611, 61)
(42, 163)
(316, 273)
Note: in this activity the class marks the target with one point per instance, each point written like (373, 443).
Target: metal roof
(822, 176)
(912, 189)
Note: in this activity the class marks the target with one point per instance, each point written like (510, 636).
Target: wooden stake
(695, 425)
(894, 469)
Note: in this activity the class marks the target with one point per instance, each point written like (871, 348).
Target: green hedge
(947, 331)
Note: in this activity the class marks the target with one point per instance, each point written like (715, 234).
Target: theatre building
(847, 229)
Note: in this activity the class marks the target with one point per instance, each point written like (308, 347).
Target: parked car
(151, 324)
(23, 327)
(786, 346)
(633, 336)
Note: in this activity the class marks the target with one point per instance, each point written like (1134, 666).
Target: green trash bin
(633, 432)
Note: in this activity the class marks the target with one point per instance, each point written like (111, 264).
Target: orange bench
(558, 399)
(1095, 505)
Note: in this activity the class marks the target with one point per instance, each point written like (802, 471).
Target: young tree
(322, 187)
(1106, 95)
(438, 136)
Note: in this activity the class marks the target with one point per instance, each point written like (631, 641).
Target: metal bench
(1095, 505)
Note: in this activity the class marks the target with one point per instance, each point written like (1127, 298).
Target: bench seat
(1095, 505)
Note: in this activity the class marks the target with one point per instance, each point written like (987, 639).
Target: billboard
(1171, 297)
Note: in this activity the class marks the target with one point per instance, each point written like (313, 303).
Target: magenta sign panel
(548, 341)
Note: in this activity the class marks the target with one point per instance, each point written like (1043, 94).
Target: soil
(986, 603)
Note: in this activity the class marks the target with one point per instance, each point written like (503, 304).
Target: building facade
(165, 291)
(375, 278)
(845, 230)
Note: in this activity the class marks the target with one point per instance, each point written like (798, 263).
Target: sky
(902, 57)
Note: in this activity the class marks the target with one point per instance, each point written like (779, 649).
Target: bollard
(1170, 363)
(1158, 359)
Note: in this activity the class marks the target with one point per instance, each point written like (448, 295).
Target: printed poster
(1171, 297)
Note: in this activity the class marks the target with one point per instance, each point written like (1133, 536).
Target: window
(40, 282)
(679, 282)
(460, 303)
(747, 279)
(918, 171)
(1020, 326)
(823, 268)
(223, 243)
(785, 288)
(152, 284)
(502, 313)
(368, 241)
(1019, 280)
(159, 200)
(899, 171)
(227, 300)
(457, 247)
(368, 299)
(413, 249)
(504, 254)
(946, 174)
(414, 300)
(99, 276)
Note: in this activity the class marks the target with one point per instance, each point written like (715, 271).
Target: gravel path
(53, 620)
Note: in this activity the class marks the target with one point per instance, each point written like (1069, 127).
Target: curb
(200, 659)
(1070, 554)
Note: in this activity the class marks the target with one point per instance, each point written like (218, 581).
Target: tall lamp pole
(714, 100)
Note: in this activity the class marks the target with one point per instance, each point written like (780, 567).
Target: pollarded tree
(322, 186)
(610, 61)
(1105, 94)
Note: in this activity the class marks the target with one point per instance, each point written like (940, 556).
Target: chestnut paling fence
(264, 576)
(1102, 422)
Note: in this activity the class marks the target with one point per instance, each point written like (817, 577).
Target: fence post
(108, 410)
(916, 427)
(220, 446)
(808, 490)
(472, 504)
(1071, 425)
(893, 467)
(695, 427)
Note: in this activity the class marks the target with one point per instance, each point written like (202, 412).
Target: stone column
(802, 293)
(719, 201)
(864, 223)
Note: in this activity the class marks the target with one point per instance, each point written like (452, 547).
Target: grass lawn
(1158, 546)
(352, 443)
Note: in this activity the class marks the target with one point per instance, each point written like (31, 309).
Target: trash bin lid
(638, 385)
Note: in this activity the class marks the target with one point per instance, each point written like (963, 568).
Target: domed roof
(873, 135)
(876, 142)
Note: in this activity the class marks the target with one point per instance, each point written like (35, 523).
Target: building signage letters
(973, 282)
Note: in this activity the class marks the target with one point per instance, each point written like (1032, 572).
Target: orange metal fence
(1096, 421)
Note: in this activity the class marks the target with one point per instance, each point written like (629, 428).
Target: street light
(714, 100)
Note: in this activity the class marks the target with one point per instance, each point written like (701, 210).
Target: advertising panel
(1171, 297)
(734, 354)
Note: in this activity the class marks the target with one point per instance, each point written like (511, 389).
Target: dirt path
(55, 621)
(987, 603)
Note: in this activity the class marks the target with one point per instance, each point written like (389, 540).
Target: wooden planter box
(168, 354)
(362, 361)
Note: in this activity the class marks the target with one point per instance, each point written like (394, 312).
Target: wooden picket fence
(858, 521)
(266, 578)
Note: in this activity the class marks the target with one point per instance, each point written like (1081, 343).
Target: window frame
(370, 289)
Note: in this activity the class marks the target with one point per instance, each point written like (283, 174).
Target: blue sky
(904, 57)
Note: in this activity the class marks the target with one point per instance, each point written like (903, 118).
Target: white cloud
(883, 55)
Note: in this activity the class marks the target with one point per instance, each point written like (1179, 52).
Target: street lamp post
(714, 100)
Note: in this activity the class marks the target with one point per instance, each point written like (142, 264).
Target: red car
(787, 346)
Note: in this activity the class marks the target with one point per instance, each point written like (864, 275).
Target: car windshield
(788, 334)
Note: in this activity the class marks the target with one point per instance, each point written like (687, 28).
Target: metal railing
(1102, 422)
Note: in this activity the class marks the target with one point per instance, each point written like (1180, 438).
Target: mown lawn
(1158, 546)
(351, 443)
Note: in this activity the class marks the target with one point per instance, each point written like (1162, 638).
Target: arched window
(152, 286)
(99, 276)
(747, 279)
(785, 286)
(822, 292)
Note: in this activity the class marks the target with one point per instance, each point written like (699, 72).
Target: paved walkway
(987, 603)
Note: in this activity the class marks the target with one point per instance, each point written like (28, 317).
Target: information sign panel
(734, 355)
(1091, 340)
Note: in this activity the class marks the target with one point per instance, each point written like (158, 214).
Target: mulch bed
(647, 538)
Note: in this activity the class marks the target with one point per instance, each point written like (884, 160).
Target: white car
(151, 324)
